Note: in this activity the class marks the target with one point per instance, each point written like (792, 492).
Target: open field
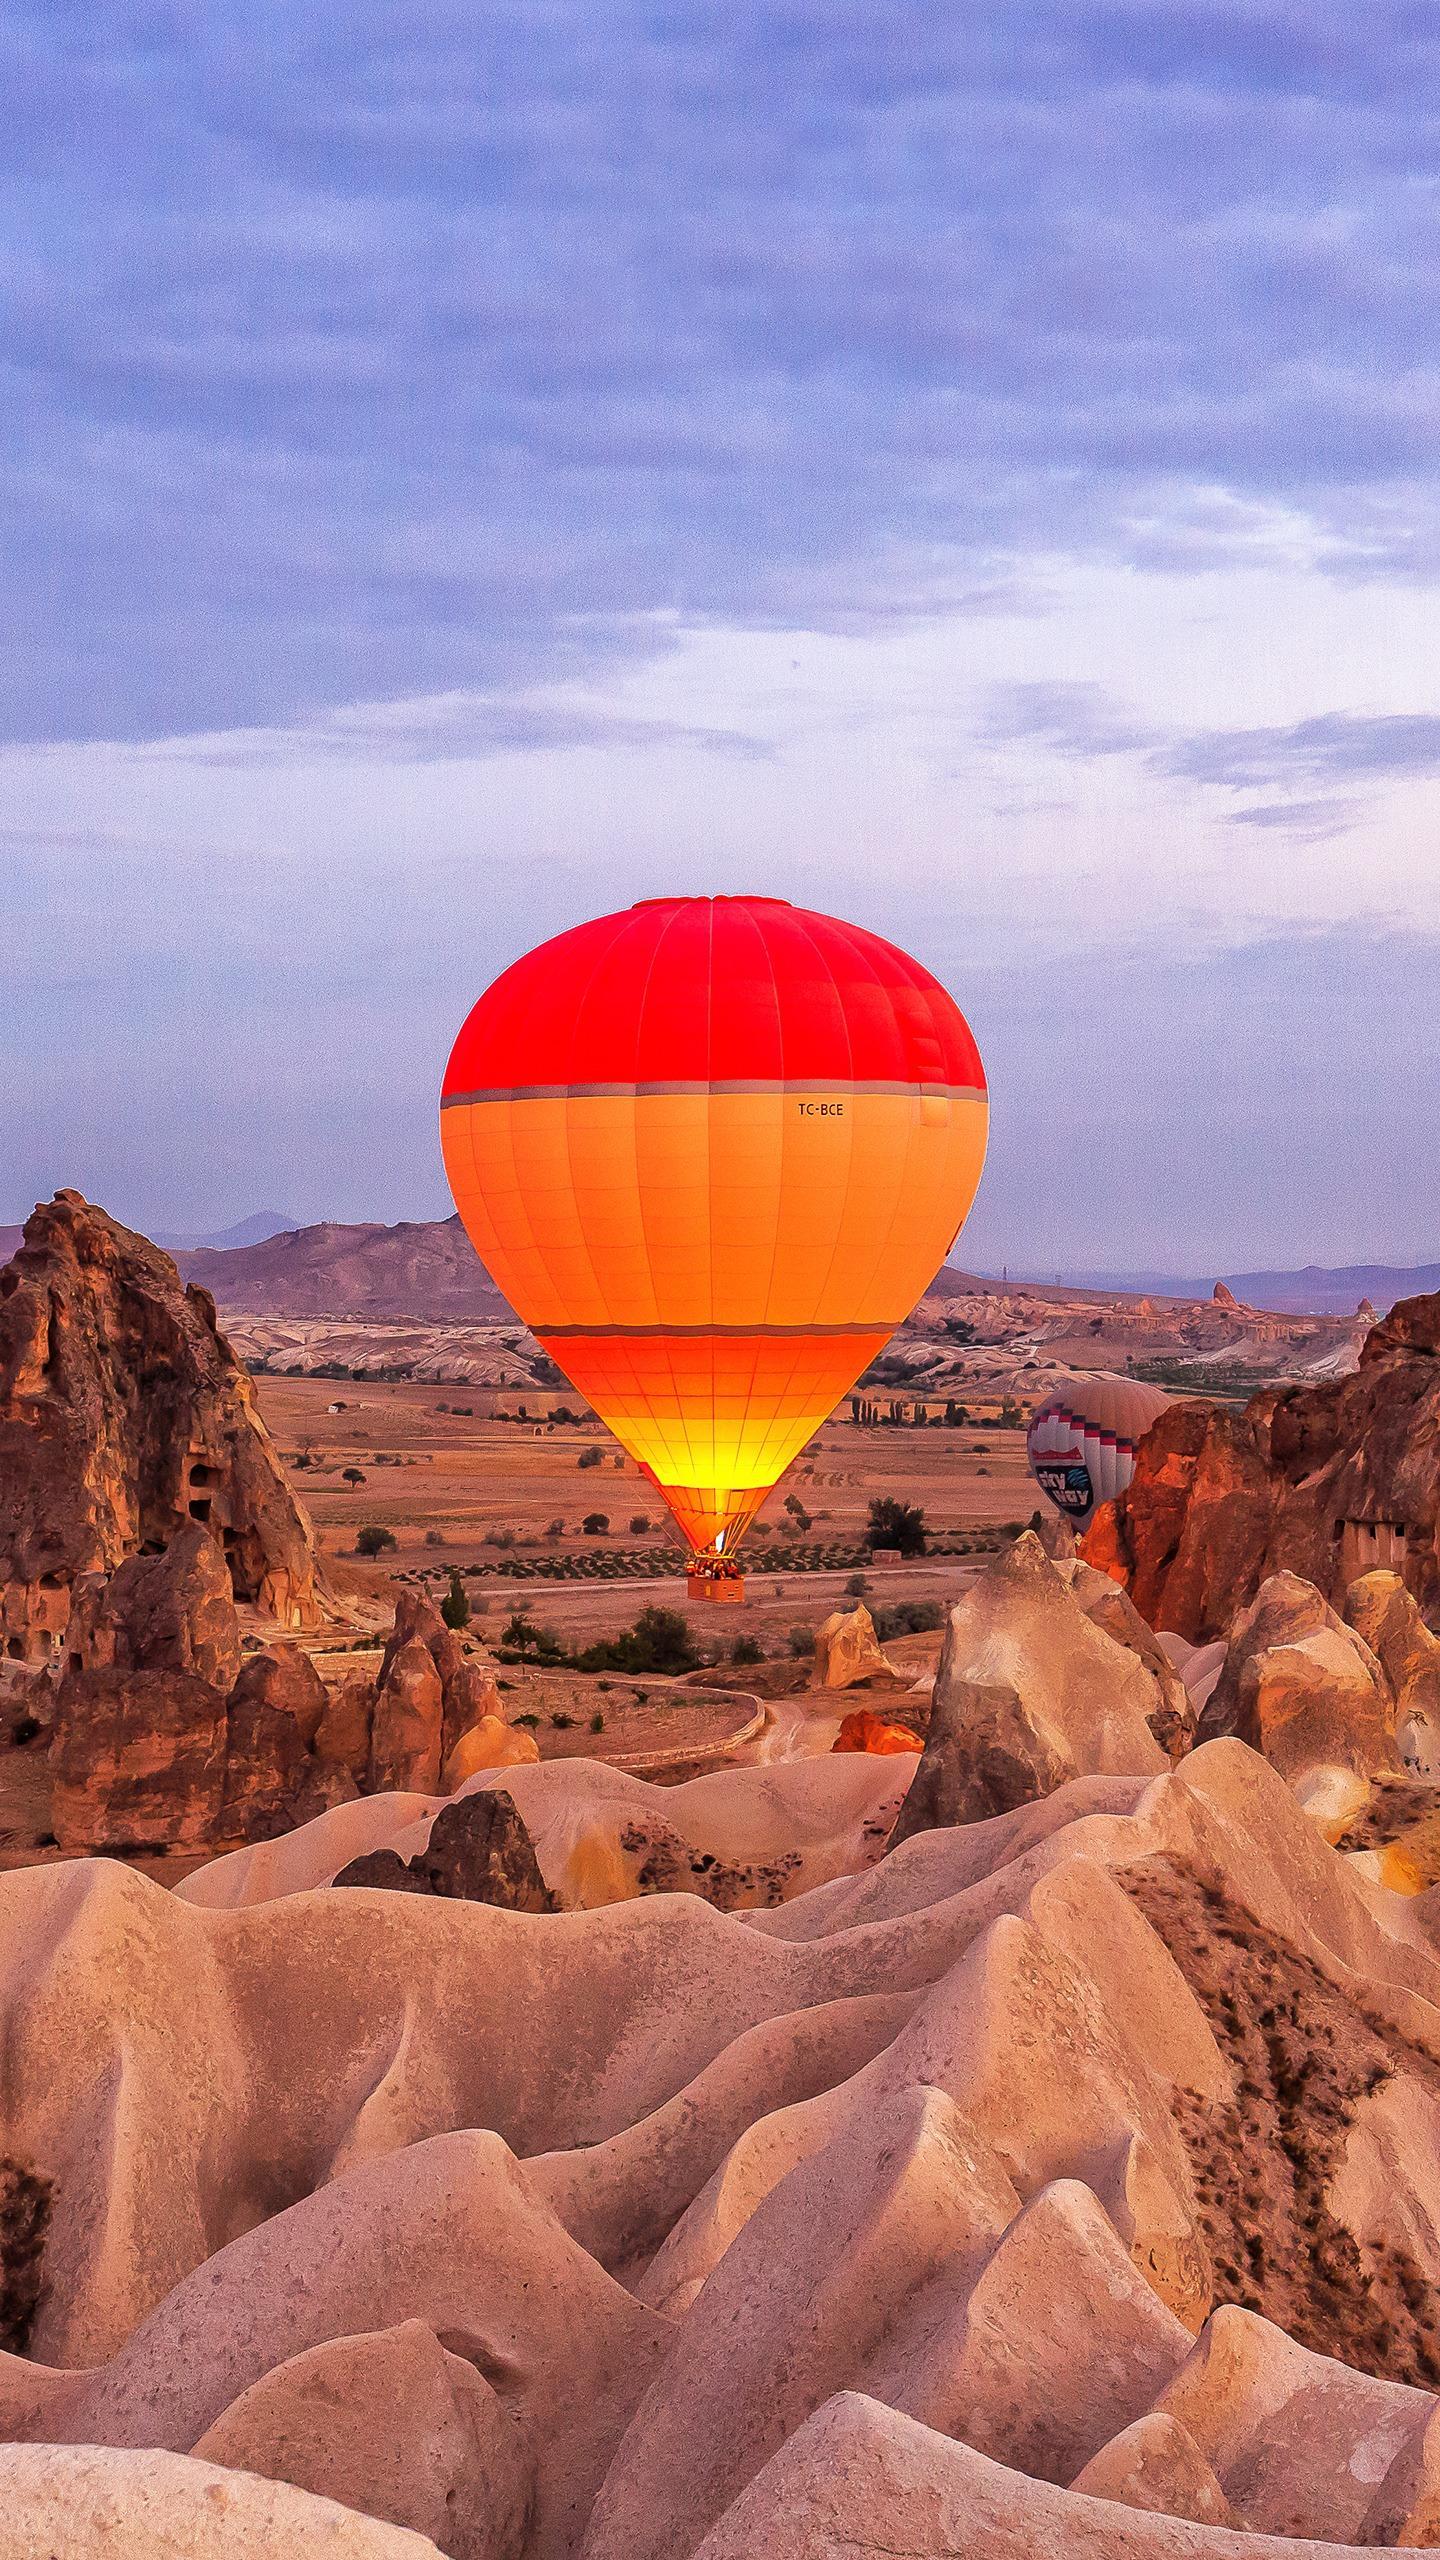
(470, 1480)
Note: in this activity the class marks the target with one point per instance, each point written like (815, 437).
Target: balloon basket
(725, 1589)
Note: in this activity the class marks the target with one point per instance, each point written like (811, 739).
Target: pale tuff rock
(847, 1650)
(1030, 1691)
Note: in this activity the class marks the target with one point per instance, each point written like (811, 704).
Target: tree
(455, 1607)
(354, 1475)
(659, 1641)
(596, 1524)
(797, 1511)
(371, 1541)
(896, 1524)
(521, 1635)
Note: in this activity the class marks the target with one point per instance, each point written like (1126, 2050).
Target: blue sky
(973, 468)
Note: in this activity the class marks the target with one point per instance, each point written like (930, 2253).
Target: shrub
(455, 1607)
(797, 1511)
(909, 1618)
(801, 1641)
(596, 1524)
(856, 1587)
(527, 1717)
(554, 1528)
(373, 1541)
(745, 1649)
(896, 1524)
(597, 1724)
(434, 1537)
(499, 1538)
(659, 1641)
(640, 1524)
(562, 1720)
(520, 1635)
(589, 1458)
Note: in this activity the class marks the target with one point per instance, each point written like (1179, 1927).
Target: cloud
(1335, 746)
(457, 726)
(1083, 722)
(405, 353)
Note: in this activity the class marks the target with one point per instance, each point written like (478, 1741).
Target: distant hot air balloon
(713, 1150)
(1082, 1440)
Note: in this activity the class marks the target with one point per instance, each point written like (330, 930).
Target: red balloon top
(713, 991)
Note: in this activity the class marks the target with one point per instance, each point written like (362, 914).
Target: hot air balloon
(713, 1150)
(1082, 1440)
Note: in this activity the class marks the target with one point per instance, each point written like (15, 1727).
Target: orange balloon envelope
(713, 1150)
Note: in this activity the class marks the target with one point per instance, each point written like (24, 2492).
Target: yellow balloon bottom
(715, 1419)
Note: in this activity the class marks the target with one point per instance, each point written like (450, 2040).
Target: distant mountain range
(254, 1230)
(1314, 1291)
(427, 1271)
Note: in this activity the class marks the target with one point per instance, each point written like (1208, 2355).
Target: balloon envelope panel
(1082, 1440)
(713, 1150)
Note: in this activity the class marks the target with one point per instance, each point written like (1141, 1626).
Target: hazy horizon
(976, 475)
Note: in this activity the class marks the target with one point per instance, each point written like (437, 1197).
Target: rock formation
(1329, 1482)
(863, 1730)
(278, 1768)
(137, 1762)
(1030, 1692)
(478, 1851)
(124, 1417)
(405, 1750)
(162, 1738)
(1384, 1614)
(488, 1743)
(847, 1650)
(1065, 2181)
(1303, 1688)
(173, 1610)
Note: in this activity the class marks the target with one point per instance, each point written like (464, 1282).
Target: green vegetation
(745, 1649)
(455, 1607)
(659, 1641)
(522, 1641)
(909, 1618)
(896, 1524)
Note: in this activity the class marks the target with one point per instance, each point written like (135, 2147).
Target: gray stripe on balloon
(725, 1084)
